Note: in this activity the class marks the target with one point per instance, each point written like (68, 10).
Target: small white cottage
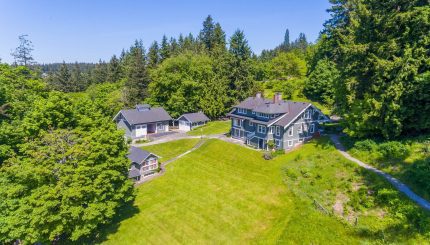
(190, 121)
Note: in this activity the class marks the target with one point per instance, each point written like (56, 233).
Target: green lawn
(213, 127)
(225, 193)
(171, 149)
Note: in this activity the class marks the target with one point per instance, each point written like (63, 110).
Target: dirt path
(395, 182)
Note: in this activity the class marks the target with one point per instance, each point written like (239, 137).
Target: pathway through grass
(224, 193)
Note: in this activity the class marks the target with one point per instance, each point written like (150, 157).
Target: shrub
(366, 145)
(267, 156)
(141, 141)
(426, 148)
(278, 152)
(394, 150)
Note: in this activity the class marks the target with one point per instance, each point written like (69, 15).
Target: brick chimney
(258, 95)
(277, 97)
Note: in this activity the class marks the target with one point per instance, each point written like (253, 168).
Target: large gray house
(143, 163)
(257, 120)
(138, 123)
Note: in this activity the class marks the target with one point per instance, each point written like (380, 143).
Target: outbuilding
(142, 121)
(143, 163)
(190, 121)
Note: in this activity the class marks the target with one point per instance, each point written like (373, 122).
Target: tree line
(372, 63)
(207, 72)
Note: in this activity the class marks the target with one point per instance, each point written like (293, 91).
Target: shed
(189, 121)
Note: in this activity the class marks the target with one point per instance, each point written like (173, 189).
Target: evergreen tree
(206, 35)
(77, 82)
(99, 73)
(242, 83)
(22, 54)
(153, 55)
(219, 37)
(114, 72)
(61, 79)
(287, 38)
(239, 47)
(189, 42)
(181, 42)
(164, 49)
(381, 51)
(174, 48)
(136, 85)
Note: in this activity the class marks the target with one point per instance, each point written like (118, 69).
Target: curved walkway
(395, 182)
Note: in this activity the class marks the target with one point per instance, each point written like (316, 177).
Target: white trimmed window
(263, 115)
(300, 129)
(271, 129)
(277, 143)
(241, 110)
(290, 143)
(290, 131)
(261, 129)
(278, 131)
(312, 128)
(160, 126)
(237, 122)
(253, 112)
(307, 114)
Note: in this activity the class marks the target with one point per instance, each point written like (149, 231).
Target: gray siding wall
(123, 124)
(301, 129)
(283, 138)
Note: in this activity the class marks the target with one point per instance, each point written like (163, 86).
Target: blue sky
(91, 30)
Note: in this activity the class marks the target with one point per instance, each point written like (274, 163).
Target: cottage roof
(195, 117)
(155, 114)
(296, 108)
(138, 155)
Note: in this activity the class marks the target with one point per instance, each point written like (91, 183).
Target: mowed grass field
(213, 127)
(171, 149)
(225, 193)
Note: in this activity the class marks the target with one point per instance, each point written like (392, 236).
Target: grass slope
(224, 193)
(213, 127)
(171, 149)
(403, 168)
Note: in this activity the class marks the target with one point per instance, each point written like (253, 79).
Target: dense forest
(62, 161)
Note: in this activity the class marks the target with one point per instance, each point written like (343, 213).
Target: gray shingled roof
(137, 155)
(289, 110)
(252, 102)
(295, 109)
(155, 114)
(272, 108)
(195, 117)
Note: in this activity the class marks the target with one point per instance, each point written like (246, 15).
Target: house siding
(304, 125)
(122, 124)
(283, 140)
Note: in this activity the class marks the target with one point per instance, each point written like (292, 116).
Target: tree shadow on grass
(125, 212)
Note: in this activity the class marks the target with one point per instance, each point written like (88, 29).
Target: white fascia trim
(277, 120)
(286, 126)
(149, 156)
(117, 116)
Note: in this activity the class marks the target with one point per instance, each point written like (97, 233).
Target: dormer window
(263, 115)
(241, 110)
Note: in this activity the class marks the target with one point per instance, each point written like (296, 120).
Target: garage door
(184, 126)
